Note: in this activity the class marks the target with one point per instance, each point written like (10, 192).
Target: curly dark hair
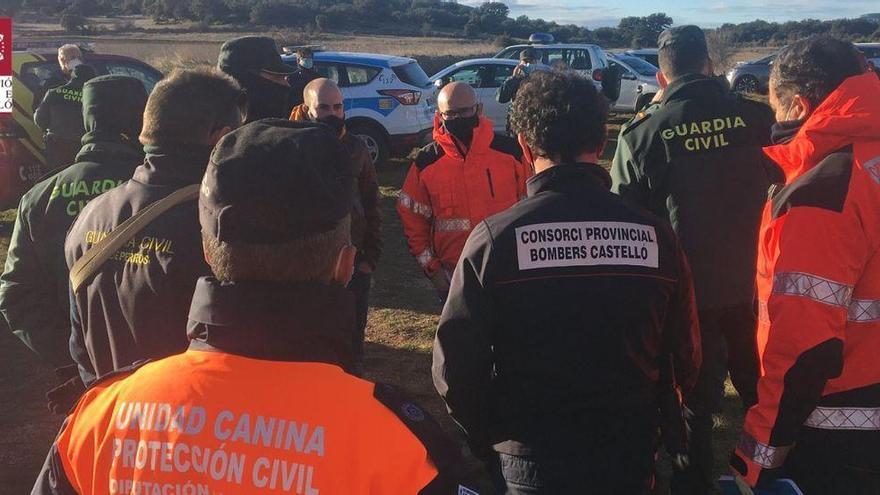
(560, 115)
(814, 67)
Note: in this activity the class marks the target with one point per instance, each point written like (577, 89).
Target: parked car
(588, 60)
(638, 83)
(872, 53)
(752, 76)
(388, 100)
(22, 151)
(485, 75)
(647, 54)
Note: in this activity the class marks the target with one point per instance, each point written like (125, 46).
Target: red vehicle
(22, 152)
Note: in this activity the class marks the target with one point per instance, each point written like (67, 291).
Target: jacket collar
(110, 151)
(271, 321)
(693, 86)
(483, 135)
(849, 114)
(572, 177)
(177, 165)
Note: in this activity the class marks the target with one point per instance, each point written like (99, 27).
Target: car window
(40, 76)
(412, 74)
(573, 58)
(469, 75)
(502, 72)
(360, 74)
(147, 78)
(639, 65)
(330, 71)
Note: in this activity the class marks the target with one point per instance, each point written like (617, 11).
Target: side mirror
(610, 77)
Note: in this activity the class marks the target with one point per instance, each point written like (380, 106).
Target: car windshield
(412, 74)
(640, 66)
(764, 61)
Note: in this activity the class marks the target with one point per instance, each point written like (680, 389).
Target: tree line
(434, 17)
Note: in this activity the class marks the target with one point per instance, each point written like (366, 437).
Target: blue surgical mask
(306, 63)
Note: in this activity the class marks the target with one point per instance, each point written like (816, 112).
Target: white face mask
(306, 62)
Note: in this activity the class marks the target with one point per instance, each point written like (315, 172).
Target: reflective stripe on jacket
(819, 281)
(448, 192)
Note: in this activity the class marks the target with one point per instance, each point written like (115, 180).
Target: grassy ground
(403, 317)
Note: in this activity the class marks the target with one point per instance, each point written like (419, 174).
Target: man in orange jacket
(817, 419)
(467, 174)
(260, 402)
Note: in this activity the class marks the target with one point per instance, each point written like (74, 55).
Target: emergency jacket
(34, 288)
(449, 191)
(695, 158)
(559, 312)
(366, 218)
(258, 404)
(819, 283)
(136, 306)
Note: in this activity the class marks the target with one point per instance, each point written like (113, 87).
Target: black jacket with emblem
(560, 310)
(34, 288)
(695, 158)
(276, 343)
(136, 306)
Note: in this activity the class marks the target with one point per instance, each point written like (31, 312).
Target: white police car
(587, 59)
(388, 99)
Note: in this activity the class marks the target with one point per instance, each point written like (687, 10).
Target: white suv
(387, 99)
(588, 60)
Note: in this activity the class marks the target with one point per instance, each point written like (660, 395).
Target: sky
(711, 13)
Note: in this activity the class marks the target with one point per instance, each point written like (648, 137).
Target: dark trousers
(728, 343)
(360, 286)
(617, 458)
(831, 462)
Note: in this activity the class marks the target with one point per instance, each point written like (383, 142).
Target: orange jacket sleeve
(416, 215)
(820, 256)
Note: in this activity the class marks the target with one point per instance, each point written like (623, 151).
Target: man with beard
(324, 103)
(254, 62)
(467, 174)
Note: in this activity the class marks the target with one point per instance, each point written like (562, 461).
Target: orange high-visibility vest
(211, 422)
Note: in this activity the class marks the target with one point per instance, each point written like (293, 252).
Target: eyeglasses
(458, 113)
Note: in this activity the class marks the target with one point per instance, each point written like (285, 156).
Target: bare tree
(721, 49)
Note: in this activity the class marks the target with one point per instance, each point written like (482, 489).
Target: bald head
(69, 56)
(456, 96)
(323, 98)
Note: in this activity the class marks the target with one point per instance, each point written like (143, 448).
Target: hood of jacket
(851, 113)
(273, 321)
(113, 109)
(176, 165)
(483, 135)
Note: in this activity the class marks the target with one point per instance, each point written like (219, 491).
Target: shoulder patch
(824, 186)
(506, 144)
(638, 120)
(441, 449)
(428, 155)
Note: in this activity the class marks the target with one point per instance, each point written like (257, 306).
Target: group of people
(203, 267)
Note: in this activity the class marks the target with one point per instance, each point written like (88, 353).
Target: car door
(495, 111)
(479, 77)
(629, 82)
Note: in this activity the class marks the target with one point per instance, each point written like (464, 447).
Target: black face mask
(336, 124)
(265, 98)
(783, 132)
(462, 128)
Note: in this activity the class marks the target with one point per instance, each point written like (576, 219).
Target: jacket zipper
(491, 187)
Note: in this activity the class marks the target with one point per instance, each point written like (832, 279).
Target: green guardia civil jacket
(696, 159)
(34, 287)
